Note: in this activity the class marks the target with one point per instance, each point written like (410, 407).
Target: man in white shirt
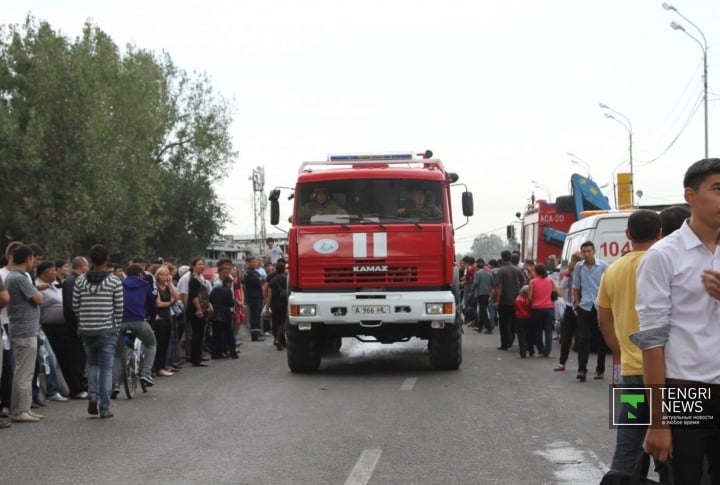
(679, 333)
(273, 253)
(183, 283)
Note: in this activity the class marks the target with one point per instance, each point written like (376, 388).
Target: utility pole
(259, 205)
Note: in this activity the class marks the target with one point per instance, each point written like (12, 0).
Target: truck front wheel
(445, 347)
(303, 350)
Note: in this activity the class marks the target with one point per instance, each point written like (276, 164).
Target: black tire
(130, 374)
(143, 386)
(332, 346)
(446, 347)
(303, 350)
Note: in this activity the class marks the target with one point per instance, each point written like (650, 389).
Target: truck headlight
(438, 308)
(303, 310)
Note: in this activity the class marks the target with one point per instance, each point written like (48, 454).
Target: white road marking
(408, 384)
(364, 467)
(576, 466)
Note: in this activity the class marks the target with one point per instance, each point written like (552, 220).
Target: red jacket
(522, 307)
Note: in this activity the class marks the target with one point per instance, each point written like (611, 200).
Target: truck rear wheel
(303, 350)
(446, 347)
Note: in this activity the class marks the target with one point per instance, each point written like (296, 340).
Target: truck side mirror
(274, 206)
(467, 204)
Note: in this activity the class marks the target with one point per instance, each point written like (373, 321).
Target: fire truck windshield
(369, 201)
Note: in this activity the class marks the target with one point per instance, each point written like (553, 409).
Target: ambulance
(605, 229)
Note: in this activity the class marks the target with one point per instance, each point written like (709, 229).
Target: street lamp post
(580, 162)
(628, 126)
(703, 45)
(540, 186)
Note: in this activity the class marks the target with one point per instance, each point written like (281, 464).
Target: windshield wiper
(370, 219)
(404, 219)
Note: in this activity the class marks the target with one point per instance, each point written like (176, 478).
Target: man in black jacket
(65, 340)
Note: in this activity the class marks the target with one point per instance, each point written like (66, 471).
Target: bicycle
(132, 360)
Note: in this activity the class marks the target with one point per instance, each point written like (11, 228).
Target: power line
(694, 111)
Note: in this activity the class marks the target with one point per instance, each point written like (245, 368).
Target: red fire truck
(371, 256)
(545, 224)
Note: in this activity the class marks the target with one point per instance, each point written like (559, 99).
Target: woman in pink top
(542, 309)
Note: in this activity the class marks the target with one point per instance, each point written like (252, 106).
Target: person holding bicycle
(139, 305)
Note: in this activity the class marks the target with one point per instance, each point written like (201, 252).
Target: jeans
(25, 354)
(542, 323)
(8, 370)
(279, 317)
(695, 448)
(255, 306)
(483, 317)
(197, 334)
(588, 329)
(144, 332)
(52, 384)
(629, 439)
(507, 332)
(100, 351)
(493, 316)
(70, 355)
(569, 325)
(522, 327)
(223, 339)
(163, 334)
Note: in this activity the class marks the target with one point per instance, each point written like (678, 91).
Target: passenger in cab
(321, 203)
(420, 206)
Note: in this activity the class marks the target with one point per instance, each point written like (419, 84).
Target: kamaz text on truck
(371, 256)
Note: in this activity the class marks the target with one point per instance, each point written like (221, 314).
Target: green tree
(101, 146)
(488, 246)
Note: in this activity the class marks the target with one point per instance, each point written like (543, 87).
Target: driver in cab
(320, 204)
(419, 206)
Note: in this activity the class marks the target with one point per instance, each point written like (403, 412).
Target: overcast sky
(499, 90)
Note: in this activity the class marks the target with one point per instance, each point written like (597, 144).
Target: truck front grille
(344, 275)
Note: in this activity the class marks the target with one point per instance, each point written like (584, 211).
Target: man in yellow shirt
(618, 319)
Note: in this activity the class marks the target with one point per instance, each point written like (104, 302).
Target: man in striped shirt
(98, 304)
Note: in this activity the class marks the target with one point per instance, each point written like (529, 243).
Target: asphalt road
(372, 414)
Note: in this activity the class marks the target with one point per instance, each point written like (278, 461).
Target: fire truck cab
(371, 256)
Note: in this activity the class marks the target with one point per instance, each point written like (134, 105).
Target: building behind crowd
(239, 248)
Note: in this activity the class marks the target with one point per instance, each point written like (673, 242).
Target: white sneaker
(57, 397)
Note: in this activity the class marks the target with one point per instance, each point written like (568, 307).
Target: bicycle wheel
(130, 373)
(140, 357)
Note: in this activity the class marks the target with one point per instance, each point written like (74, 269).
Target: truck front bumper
(372, 309)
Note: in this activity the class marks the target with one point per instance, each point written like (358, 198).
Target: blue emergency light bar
(358, 158)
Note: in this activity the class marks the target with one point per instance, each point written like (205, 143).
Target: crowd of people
(64, 323)
(656, 309)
